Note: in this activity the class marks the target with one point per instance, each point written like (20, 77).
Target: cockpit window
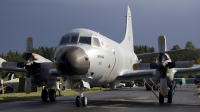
(85, 40)
(96, 42)
(64, 40)
(74, 39)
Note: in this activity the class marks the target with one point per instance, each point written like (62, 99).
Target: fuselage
(83, 54)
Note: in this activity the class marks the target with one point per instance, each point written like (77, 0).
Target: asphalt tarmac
(123, 100)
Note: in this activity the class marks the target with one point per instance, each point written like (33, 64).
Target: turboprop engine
(163, 65)
(37, 67)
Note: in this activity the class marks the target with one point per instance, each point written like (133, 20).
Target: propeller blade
(163, 83)
(163, 86)
(13, 64)
(162, 47)
(180, 64)
(143, 66)
(35, 65)
(27, 85)
(29, 47)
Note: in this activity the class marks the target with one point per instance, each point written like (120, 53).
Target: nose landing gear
(81, 99)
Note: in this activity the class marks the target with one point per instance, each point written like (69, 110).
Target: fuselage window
(74, 39)
(85, 40)
(64, 40)
(96, 42)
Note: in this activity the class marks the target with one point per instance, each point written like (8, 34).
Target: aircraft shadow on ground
(134, 104)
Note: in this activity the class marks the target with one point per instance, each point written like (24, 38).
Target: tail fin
(128, 39)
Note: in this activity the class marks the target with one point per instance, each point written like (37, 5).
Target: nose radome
(76, 61)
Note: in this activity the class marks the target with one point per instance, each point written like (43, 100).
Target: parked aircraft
(84, 57)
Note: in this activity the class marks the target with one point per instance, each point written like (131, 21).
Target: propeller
(29, 58)
(32, 63)
(162, 64)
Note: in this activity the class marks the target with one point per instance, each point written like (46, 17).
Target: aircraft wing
(194, 69)
(52, 72)
(137, 74)
(13, 69)
(154, 54)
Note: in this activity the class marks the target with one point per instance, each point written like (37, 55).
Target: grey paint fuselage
(106, 62)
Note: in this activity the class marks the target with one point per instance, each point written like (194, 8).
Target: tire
(52, 95)
(78, 103)
(84, 101)
(44, 95)
(161, 98)
(169, 97)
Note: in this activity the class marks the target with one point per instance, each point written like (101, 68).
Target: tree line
(192, 54)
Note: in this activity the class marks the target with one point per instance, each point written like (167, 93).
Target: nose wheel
(80, 101)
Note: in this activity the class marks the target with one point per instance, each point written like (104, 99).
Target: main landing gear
(81, 100)
(51, 94)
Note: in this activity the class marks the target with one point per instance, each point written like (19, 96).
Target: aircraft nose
(76, 61)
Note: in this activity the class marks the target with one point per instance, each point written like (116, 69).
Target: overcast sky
(47, 20)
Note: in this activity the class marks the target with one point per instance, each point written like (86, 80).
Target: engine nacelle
(39, 77)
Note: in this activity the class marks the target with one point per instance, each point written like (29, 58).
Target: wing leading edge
(192, 70)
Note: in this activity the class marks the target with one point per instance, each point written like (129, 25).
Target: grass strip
(10, 97)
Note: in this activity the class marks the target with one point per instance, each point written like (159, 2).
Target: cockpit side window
(96, 42)
(74, 39)
(85, 40)
(64, 40)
